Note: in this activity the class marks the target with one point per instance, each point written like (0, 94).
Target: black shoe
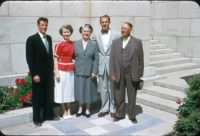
(87, 115)
(118, 118)
(134, 120)
(37, 124)
(79, 114)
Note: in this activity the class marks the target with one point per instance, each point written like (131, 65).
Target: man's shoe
(134, 120)
(118, 118)
(112, 115)
(56, 118)
(102, 114)
(37, 124)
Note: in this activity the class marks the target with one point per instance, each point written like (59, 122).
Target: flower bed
(18, 96)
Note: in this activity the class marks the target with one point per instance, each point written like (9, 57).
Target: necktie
(46, 43)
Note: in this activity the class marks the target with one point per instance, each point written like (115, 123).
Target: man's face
(42, 26)
(125, 30)
(104, 24)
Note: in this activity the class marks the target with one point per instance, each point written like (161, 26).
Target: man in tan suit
(126, 69)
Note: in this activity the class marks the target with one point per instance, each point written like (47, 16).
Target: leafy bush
(188, 123)
(16, 97)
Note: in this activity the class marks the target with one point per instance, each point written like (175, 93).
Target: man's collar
(105, 32)
(41, 34)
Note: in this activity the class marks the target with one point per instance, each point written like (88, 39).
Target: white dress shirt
(84, 44)
(44, 40)
(105, 39)
(125, 42)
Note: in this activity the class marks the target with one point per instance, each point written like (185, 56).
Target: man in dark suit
(39, 57)
(126, 69)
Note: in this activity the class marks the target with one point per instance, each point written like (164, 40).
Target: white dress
(64, 90)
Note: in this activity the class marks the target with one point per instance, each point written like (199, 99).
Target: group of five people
(70, 72)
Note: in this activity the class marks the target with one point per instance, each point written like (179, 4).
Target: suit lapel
(88, 45)
(41, 42)
(119, 48)
(132, 45)
(100, 42)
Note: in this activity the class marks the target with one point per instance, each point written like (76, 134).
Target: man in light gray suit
(104, 39)
(126, 69)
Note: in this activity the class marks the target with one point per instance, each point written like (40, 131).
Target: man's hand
(113, 78)
(36, 78)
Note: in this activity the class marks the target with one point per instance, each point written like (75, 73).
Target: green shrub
(188, 123)
(14, 98)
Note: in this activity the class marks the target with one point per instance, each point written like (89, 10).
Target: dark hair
(105, 16)
(86, 25)
(129, 24)
(66, 26)
(42, 19)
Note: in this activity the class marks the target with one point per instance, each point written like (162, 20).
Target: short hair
(42, 19)
(66, 26)
(129, 24)
(105, 16)
(86, 25)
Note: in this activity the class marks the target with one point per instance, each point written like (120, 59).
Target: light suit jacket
(136, 58)
(86, 61)
(104, 55)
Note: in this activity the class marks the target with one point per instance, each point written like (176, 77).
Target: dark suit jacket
(39, 61)
(86, 61)
(136, 57)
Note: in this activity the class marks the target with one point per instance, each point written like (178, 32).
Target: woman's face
(86, 32)
(66, 34)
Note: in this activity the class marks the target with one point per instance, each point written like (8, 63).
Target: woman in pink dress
(64, 71)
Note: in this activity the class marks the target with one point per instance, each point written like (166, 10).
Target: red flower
(22, 81)
(24, 99)
(30, 94)
(19, 81)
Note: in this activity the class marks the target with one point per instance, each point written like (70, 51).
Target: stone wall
(18, 21)
(177, 24)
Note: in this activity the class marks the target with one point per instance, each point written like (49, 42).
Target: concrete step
(175, 84)
(158, 103)
(184, 73)
(170, 62)
(179, 67)
(160, 51)
(165, 56)
(162, 92)
(154, 41)
(158, 46)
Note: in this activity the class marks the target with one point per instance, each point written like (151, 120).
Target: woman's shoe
(87, 115)
(79, 114)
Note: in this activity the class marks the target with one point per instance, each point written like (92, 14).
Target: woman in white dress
(64, 71)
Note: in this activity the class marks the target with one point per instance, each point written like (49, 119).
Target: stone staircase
(164, 92)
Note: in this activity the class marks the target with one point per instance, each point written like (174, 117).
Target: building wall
(177, 24)
(18, 21)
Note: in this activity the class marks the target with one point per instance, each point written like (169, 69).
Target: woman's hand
(57, 77)
(94, 76)
(113, 78)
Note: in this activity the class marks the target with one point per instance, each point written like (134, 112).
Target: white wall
(18, 21)
(177, 24)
